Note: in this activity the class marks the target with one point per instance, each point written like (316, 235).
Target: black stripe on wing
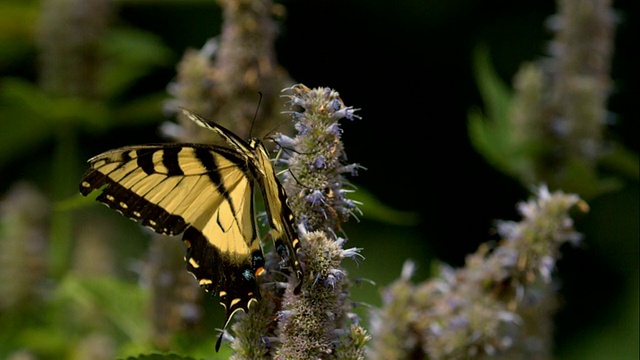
(169, 159)
(131, 204)
(150, 160)
(208, 162)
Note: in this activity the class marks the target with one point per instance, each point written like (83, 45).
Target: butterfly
(205, 192)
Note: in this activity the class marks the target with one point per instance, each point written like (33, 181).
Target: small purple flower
(262, 218)
(284, 141)
(302, 128)
(284, 314)
(353, 318)
(346, 112)
(408, 269)
(334, 129)
(509, 317)
(298, 116)
(334, 276)
(303, 225)
(172, 130)
(284, 160)
(330, 281)
(350, 204)
(352, 169)
(190, 312)
(458, 322)
(297, 101)
(320, 162)
(547, 264)
(315, 198)
(337, 273)
(352, 253)
(335, 104)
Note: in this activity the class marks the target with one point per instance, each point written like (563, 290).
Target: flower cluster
(69, 58)
(24, 219)
(318, 322)
(559, 110)
(500, 303)
(223, 81)
(315, 183)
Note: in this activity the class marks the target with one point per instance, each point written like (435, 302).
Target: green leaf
(31, 117)
(581, 178)
(491, 132)
(76, 201)
(143, 110)
(158, 356)
(623, 161)
(18, 20)
(374, 209)
(132, 54)
(120, 302)
(495, 94)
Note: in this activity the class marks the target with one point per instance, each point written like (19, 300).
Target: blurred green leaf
(143, 110)
(374, 209)
(496, 95)
(46, 340)
(491, 132)
(622, 161)
(18, 21)
(14, 50)
(132, 54)
(159, 357)
(120, 302)
(76, 201)
(31, 117)
(581, 178)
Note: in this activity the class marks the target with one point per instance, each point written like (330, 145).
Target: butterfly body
(206, 193)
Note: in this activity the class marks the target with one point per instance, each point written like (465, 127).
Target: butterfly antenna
(268, 135)
(295, 178)
(255, 115)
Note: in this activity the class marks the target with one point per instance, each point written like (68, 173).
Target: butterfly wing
(201, 190)
(280, 216)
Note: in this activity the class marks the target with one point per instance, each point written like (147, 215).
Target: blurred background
(429, 194)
